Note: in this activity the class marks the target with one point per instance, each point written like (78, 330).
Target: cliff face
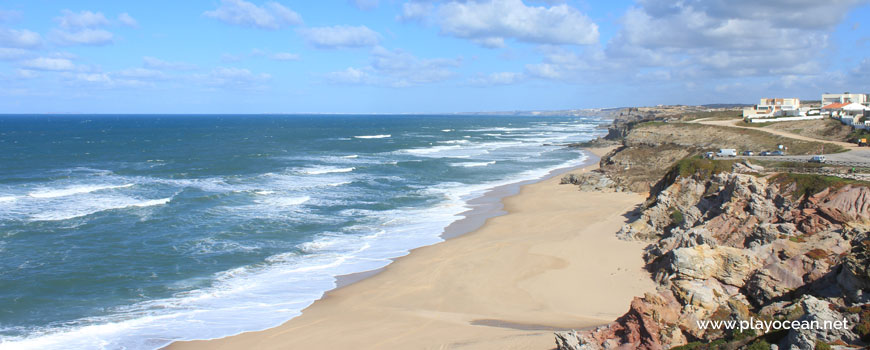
(730, 246)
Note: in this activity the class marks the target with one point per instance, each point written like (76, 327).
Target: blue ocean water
(128, 232)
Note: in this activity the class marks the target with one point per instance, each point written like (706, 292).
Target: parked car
(777, 153)
(748, 153)
(765, 153)
(727, 152)
(817, 159)
(709, 155)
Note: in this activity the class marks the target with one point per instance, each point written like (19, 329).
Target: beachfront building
(844, 98)
(772, 108)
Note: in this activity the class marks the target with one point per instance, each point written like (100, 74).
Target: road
(854, 157)
(731, 122)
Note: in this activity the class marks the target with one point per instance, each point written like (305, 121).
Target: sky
(423, 56)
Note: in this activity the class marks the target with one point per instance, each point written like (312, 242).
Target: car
(765, 153)
(818, 159)
(709, 155)
(777, 153)
(748, 153)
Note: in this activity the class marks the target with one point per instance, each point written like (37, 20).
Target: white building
(845, 97)
(774, 107)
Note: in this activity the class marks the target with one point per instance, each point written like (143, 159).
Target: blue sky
(422, 56)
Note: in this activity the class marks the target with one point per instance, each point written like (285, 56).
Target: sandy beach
(551, 263)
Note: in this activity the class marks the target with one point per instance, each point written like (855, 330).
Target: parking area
(853, 158)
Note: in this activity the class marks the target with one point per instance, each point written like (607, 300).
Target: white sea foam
(447, 130)
(66, 211)
(472, 164)
(325, 170)
(7, 199)
(151, 203)
(287, 201)
(353, 156)
(336, 184)
(373, 136)
(73, 190)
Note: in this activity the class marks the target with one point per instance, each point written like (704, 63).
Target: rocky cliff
(728, 242)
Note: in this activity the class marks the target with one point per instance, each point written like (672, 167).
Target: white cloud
(83, 19)
(156, 63)
(13, 54)
(271, 15)
(348, 76)
(397, 68)
(48, 64)
(284, 56)
(490, 23)
(128, 20)
(83, 37)
(499, 78)
(416, 10)
(701, 39)
(340, 36)
(365, 4)
(19, 38)
(241, 78)
(26, 74)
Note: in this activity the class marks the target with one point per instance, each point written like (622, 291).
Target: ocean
(129, 232)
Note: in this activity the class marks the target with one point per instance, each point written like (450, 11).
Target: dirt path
(730, 123)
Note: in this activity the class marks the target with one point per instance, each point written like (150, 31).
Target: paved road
(855, 158)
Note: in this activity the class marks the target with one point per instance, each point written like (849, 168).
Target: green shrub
(677, 217)
(820, 345)
(759, 344)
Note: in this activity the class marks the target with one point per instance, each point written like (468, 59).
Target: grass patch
(820, 345)
(677, 217)
(810, 184)
(716, 136)
(858, 134)
(817, 254)
(703, 168)
(714, 115)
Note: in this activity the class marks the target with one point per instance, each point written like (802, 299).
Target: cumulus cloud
(19, 38)
(397, 68)
(340, 36)
(284, 56)
(48, 64)
(13, 54)
(498, 78)
(83, 37)
(156, 63)
(127, 20)
(83, 28)
(83, 19)
(229, 77)
(490, 23)
(271, 15)
(718, 38)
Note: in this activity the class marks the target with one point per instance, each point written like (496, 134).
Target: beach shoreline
(506, 283)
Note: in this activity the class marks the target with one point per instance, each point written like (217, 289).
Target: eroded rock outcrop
(731, 245)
